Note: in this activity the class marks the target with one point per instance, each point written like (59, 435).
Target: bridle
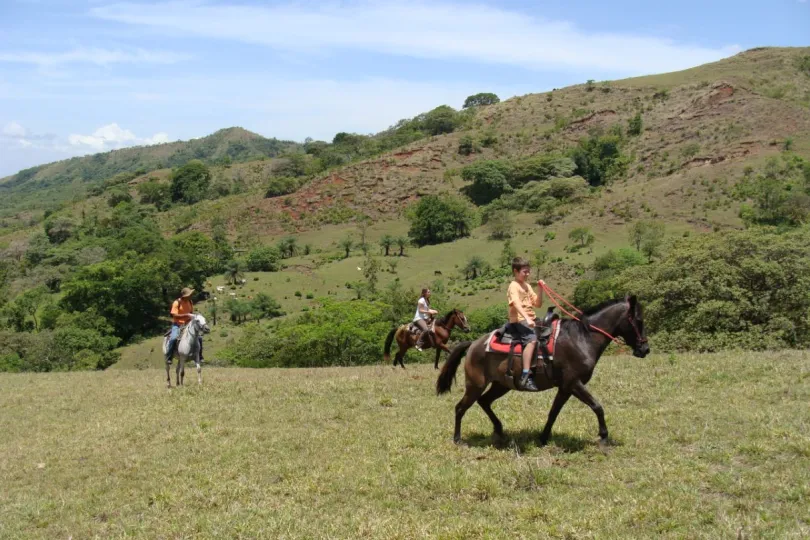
(556, 298)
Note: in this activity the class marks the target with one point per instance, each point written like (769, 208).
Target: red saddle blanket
(494, 344)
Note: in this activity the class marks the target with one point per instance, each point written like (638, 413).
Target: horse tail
(448, 373)
(388, 340)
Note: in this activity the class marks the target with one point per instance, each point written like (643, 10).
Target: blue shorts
(521, 331)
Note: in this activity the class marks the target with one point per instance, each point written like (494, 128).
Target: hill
(367, 452)
(47, 185)
(705, 136)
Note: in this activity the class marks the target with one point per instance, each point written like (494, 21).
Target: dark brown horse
(578, 349)
(437, 339)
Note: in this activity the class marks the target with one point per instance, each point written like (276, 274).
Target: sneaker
(418, 348)
(526, 384)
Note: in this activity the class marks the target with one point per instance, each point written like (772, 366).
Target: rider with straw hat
(182, 310)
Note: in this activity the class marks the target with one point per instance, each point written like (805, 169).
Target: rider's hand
(530, 322)
(541, 283)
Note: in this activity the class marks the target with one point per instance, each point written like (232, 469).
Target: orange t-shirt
(523, 297)
(181, 306)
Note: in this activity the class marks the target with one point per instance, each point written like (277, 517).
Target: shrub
(263, 259)
(437, 219)
(480, 100)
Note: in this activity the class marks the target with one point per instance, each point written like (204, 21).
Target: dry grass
(705, 446)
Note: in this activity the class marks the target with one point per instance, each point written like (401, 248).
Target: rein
(556, 298)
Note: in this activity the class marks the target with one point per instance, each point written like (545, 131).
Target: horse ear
(631, 301)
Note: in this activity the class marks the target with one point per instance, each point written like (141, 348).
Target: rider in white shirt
(423, 314)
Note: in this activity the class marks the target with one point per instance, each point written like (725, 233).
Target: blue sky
(78, 77)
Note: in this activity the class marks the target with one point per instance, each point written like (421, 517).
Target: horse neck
(192, 329)
(607, 319)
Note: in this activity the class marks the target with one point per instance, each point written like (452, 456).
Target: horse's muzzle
(641, 352)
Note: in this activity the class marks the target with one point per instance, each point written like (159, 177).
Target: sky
(84, 76)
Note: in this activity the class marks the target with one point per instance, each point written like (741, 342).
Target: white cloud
(111, 137)
(439, 30)
(100, 57)
(14, 130)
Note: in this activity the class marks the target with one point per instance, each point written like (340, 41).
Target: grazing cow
(220, 289)
(437, 272)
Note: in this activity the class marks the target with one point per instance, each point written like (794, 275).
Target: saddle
(547, 331)
(414, 330)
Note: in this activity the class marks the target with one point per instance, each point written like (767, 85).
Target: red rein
(556, 298)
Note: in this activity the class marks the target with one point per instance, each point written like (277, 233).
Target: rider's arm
(540, 286)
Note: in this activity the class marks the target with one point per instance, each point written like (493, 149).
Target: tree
(194, 257)
(599, 158)
(386, 242)
(635, 125)
(737, 289)
(590, 85)
(233, 272)
(264, 306)
(371, 267)
(653, 239)
(132, 293)
(223, 251)
(647, 237)
(437, 219)
(582, 235)
(539, 259)
(480, 100)
(401, 242)
(347, 244)
(287, 247)
(392, 266)
(466, 145)
(190, 183)
(154, 192)
(263, 259)
(507, 254)
(118, 196)
(282, 185)
(474, 267)
(490, 179)
(501, 224)
(59, 229)
(442, 119)
(238, 309)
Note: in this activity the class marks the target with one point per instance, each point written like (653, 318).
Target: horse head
(631, 328)
(200, 324)
(461, 320)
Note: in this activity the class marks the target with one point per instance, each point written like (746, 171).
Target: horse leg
(177, 372)
(471, 395)
(495, 391)
(168, 376)
(436, 362)
(559, 401)
(199, 372)
(581, 393)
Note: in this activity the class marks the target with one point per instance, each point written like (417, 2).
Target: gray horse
(188, 346)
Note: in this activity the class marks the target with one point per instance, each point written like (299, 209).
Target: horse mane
(444, 320)
(599, 307)
(583, 326)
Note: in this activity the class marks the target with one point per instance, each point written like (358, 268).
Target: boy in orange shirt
(522, 301)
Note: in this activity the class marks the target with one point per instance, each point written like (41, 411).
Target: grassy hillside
(704, 131)
(38, 187)
(709, 446)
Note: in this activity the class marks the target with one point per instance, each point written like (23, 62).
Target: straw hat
(186, 292)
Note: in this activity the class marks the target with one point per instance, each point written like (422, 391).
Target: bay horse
(437, 339)
(188, 346)
(578, 348)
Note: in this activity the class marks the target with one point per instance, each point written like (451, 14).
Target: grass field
(711, 446)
